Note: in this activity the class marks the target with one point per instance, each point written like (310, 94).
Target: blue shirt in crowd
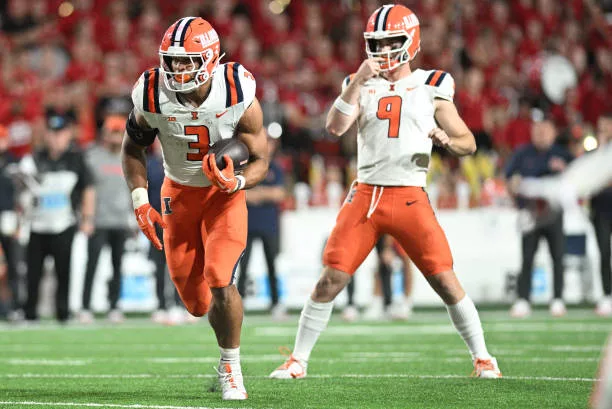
(527, 161)
(264, 217)
(155, 175)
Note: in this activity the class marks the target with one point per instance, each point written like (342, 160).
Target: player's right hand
(369, 68)
(147, 217)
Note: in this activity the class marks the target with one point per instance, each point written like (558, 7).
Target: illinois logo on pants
(204, 240)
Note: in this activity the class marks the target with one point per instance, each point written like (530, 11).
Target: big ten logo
(249, 75)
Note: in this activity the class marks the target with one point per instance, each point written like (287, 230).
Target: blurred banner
(485, 244)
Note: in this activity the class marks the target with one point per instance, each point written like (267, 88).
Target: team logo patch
(194, 115)
(167, 208)
(351, 195)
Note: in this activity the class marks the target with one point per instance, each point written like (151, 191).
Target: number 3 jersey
(394, 121)
(186, 132)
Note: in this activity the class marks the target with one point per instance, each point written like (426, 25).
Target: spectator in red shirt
(548, 14)
(472, 106)
(523, 11)
(85, 64)
(532, 43)
(518, 129)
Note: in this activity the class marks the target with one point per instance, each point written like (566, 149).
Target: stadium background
(82, 58)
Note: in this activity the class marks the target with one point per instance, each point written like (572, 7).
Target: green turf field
(420, 364)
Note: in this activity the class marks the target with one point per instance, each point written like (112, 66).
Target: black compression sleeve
(139, 135)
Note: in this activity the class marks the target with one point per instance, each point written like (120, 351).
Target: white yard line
(315, 376)
(49, 362)
(102, 405)
(349, 357)
(374, 331)
(500, 348)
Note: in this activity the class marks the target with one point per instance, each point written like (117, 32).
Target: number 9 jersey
(394, 121)
(186, 132)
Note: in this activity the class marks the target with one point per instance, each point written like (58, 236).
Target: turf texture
(422, 363)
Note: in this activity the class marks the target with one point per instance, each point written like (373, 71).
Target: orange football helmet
(196, 42)
(393, 21)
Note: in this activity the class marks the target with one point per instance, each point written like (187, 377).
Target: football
(233, 147)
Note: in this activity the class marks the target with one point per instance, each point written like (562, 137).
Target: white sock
(313, 320)
(230, 355)
(467, 322)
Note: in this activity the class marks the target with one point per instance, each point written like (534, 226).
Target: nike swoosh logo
(410, 89)
(411, 203)
(219, 115)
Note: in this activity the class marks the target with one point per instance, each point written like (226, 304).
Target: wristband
(344, 107)
(140, 196)
(241, 183)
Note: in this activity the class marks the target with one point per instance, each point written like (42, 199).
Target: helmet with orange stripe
(393, 33)
(189, 53)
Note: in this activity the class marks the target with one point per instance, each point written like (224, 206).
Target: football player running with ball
(190, 102)
(397, 111)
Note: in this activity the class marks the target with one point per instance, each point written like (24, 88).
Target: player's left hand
(223, 179)
(439, 138)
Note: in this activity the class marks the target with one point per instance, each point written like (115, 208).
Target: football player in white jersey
(190, 102)
(397, 111)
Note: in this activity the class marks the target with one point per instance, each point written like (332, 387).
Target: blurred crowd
(82, 57)
(514, 62)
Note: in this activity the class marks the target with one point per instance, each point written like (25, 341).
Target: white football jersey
(394, 121)
(186, 132)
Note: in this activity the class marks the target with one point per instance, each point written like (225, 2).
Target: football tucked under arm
(237, 151)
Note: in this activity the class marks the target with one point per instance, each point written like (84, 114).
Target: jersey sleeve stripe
(151, 91)
(233, 89)
(145, 93)
(440, 79)
(230, 95)
(237, 82)
(150, 95)
(428, 81)
(433, 78)
(156, 92)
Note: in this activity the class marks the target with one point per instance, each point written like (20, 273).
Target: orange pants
(403, 212)
(204, 240)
